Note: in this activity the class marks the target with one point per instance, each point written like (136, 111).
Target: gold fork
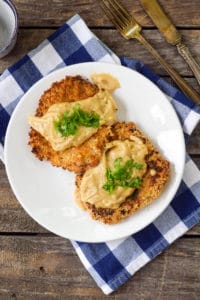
(129, 28)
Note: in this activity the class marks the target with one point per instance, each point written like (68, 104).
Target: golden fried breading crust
(75, 159)
(158, 171)
(69, 89)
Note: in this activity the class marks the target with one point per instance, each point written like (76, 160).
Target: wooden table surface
(36, 264)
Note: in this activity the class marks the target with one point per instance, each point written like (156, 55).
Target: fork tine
(119, 15)
(121, 9)
(112, 15)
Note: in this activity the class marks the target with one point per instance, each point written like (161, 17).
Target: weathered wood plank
(29, 39)
(48, 268)
(13, 218)
(134, 49)
(55, 12)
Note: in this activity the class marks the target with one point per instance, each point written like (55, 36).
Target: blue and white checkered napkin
(113, 263)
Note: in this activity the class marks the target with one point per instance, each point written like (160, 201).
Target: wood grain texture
(55, 12)
(48, 268)
(14, 219)
(29, 39)
(132, 48)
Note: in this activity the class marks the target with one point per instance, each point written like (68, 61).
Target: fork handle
(181, 83)
(187, 55)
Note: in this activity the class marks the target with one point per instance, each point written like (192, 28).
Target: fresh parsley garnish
(122, 175)
(68, 123)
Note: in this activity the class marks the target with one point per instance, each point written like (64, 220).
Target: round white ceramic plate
(46, 192)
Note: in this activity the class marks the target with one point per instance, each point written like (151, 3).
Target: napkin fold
(110, 264)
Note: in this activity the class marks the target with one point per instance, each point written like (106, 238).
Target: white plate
(46, 192)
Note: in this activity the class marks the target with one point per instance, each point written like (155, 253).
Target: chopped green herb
(68, 123)
(122, 175)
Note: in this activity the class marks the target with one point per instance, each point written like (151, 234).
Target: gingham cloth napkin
(113, 263)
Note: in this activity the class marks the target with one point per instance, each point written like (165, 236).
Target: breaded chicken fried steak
(130, 175)
(55, 133)
(118, 169)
